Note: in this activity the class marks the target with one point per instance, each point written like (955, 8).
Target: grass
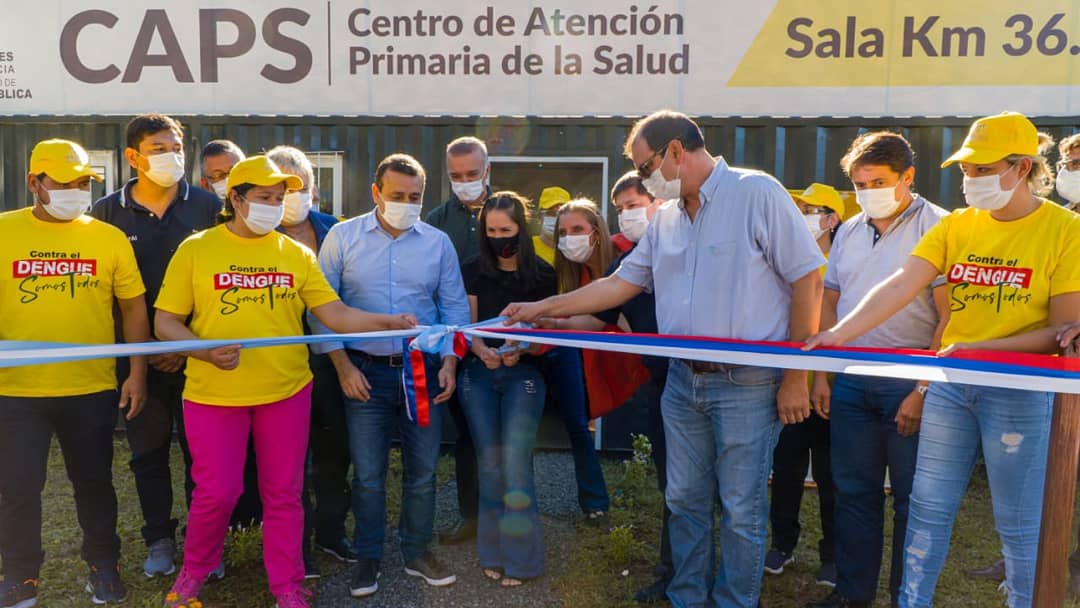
(64, 573)
(604, 567)
(607, 568)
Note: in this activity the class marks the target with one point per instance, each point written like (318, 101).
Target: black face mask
(504, 246)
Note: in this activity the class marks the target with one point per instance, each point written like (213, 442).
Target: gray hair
(467, 145)
(292, 160)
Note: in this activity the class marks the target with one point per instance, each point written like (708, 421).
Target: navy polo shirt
(154, 238)
(640, 313)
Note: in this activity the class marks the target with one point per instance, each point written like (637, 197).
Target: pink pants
(218, 437)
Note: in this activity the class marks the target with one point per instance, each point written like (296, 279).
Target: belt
(388, 360)
(708, 367)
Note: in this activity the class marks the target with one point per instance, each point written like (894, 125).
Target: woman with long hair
(501, 390)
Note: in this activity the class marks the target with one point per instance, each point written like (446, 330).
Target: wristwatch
(922, 390)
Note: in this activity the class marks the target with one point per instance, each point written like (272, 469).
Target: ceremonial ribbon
(414, 375)
(980, 368)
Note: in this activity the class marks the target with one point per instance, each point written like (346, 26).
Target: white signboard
(540, 57)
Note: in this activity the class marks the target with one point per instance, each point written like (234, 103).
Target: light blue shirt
(857, 264)
(417, 272)
(727, 274)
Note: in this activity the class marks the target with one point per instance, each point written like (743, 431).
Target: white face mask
(262, 218)
(219, 188)
(986, 192)
(401, 216)
(66, 205)
(468, 191)
(878, 203)
(576, 247)
(549, 222)
(661, 187)
(1068, 185)
(297, 207)
(633, 222)
(166, 169)
(813, 223)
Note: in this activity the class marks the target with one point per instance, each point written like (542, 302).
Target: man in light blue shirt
(388, 261)
(728, 256)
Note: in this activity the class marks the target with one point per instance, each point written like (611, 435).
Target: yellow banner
(839, 43)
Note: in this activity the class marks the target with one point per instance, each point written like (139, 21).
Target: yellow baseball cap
(553, 196)
(62, 160)
(820, 195)
(261, 171)
(994, 137)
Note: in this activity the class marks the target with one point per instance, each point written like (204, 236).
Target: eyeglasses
(643, 168)
(1072, 164)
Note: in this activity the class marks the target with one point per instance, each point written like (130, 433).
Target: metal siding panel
(366, 140)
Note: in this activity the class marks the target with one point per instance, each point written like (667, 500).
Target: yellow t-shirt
(236, 287)
(546, 253)
(62, 280)
(1001, 275)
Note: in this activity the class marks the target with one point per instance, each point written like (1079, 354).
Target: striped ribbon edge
(985, 368)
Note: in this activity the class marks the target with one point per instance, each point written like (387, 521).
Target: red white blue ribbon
(414, 376)
(980, 368)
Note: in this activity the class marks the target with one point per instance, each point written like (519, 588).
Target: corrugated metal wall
(798, 151)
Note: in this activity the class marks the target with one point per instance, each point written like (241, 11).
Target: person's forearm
(1040, 341)
(880, 303)
(340, 359)
(343, 319)
(600, 295)
(170, 329)
(136, 328)
(829, 301)
(804, 315)
(580, 323)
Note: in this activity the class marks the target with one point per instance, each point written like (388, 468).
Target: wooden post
(1055, 536)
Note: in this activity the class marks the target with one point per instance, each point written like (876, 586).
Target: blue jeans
(567, 379)
(371, 427)
(503, 407)
(1011, 428)
(864, 444)
(721, 429)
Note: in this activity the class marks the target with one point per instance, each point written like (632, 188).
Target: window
(581, 176)
(329, 177)
(104, 163)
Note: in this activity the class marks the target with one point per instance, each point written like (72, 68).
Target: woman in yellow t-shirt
(1011, 265)
(243, 279)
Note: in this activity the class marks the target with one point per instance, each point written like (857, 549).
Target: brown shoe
(994, 573)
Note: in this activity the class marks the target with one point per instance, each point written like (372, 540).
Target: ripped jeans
(503, 407)
(1011, 429)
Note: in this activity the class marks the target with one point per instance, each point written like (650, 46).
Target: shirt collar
(181, 194)
(917, 203)
(708, 190)
(370, 223)
(456, 202)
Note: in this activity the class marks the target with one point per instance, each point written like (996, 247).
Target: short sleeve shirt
(493, 293)
(58, 284)
(1001, 275)
(235, 287)
(727, 273)
(860, 259)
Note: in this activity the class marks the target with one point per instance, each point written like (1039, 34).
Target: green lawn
(604, 567)
(64, 573)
